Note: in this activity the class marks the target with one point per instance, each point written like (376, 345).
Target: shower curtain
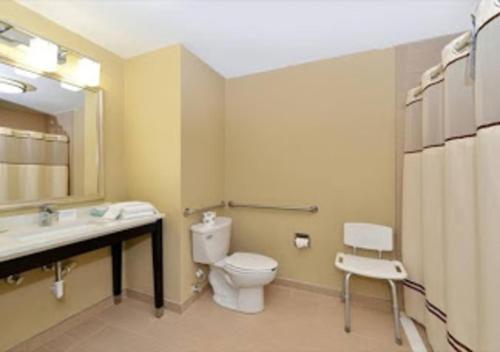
(459, 198)
(432, 206)
(460, 192)
(487, 113)
(414, 291)
(33, 165)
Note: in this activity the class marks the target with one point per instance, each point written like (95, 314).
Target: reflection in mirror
(49, 138)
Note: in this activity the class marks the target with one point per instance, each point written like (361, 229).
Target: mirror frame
(100, 196)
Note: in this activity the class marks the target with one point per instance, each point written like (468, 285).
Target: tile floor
(293, 321)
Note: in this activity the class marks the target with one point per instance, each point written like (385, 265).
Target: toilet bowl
(237, 280)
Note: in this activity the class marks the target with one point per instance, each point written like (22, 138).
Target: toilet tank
(211, 242)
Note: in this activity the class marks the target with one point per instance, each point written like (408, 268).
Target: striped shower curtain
(460, 193)
(487, 113)
(460, 236)
(432, 206)
(414, 291)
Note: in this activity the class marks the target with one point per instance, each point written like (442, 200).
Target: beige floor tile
(112, 339)
(372, 323)
(79, 349)
(126, 317)
(86, 329)
(61, 343)
(293, 321)
(68, 340)
(40, 349)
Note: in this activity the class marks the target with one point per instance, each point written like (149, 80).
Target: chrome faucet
(48, 215)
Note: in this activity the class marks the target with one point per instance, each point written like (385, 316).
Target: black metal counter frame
(115, 241)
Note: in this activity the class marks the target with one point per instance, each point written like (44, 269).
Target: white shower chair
(376, 238)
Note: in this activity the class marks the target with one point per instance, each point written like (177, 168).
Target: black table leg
(116, 251)
(157, 249)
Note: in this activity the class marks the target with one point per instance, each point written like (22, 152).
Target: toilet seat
(250, 262)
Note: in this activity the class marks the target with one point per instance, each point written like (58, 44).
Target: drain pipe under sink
(59, 273)
(58, 285)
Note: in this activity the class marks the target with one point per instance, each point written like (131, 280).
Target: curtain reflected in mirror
(49, 138)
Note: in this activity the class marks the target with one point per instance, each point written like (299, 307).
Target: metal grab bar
(309, 209)
(191, 211)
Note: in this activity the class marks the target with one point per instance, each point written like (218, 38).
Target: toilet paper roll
(301, 242)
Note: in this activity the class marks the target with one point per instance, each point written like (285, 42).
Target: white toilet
(237, 280)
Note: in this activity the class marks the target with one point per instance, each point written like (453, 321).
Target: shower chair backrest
(368, 236)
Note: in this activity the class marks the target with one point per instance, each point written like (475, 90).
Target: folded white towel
(140, 208)
(137, 215)
(125, 210)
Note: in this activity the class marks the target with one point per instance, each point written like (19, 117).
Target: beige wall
(319, 133)
(153, 158)
(202, 149)
(174, 136)
(31, 308)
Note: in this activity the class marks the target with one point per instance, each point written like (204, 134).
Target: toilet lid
(251, 261)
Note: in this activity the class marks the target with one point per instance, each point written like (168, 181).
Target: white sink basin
(37, 234)
(49, 234)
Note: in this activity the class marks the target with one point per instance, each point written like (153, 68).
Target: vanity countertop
(21, 235)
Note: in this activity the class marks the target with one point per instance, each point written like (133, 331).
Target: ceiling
(241, 37)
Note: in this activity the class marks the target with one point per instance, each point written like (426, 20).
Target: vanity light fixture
(10, 86)
(88, 72)
(27, 74)
(70, 87)
(42, 55)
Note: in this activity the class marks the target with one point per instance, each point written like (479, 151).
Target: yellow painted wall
(31, 308)
(174, 133)
(202, 149)
(153, 158)
(319, 133)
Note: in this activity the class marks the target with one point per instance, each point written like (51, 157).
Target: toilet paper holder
(302, 240)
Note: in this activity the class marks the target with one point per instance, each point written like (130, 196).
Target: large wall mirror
(50, 123)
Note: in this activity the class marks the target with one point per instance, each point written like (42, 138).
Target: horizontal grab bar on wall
(309, 208)
(191, 211)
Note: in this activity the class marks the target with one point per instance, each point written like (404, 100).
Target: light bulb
(42, 55)
(88, 72)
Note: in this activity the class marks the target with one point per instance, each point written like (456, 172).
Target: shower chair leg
(347, 301)
(395, 309)
(342, 293)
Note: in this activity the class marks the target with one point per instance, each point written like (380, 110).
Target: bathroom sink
(21, 235)
(37, 234)
(50, 233)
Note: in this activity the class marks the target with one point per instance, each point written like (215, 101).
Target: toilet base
(245, 300)
(248, 300)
